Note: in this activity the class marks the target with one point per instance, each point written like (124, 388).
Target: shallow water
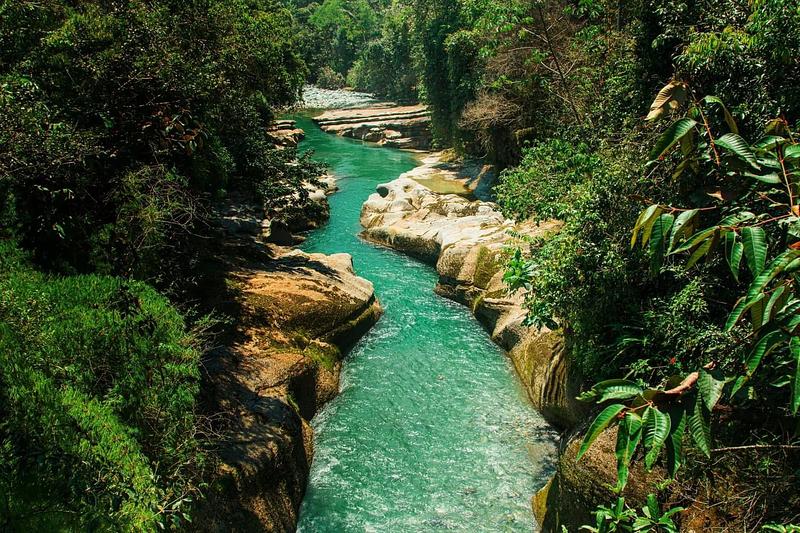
(432, 430)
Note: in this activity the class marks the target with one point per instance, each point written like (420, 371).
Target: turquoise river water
(432, 430)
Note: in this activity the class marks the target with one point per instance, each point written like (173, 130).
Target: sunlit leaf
(681, 226)
(658, 242)
(710, 384)
(700, 427)
(629, 434)
(671, 137)
(734, 250)
(735, 144)
(754, 240)
(656, 431)
(601, 422)
(762, 347)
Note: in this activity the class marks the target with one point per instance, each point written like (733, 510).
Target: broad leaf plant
(755, 224)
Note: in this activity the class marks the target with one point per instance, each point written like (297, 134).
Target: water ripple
(432, 431)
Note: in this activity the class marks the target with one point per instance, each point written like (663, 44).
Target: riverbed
(432, 430)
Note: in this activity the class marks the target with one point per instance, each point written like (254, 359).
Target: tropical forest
(390, 266)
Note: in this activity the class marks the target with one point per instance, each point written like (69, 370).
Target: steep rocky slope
(292, 317)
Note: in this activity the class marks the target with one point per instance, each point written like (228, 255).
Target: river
(432, 430)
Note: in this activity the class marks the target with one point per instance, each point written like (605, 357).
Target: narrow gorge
(432, 429)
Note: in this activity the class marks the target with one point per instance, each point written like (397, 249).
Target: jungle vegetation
(120, 124)
(661, 132)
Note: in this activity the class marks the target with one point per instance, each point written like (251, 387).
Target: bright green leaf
(700, 426)
(754, 240)
(671, 137)
(734, 250)
(601, 422)
(734, 143)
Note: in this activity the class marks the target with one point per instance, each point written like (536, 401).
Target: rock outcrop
(406, 127)
(285, 133)
(294, 315)
(465, 240)
(579, 487)
(445, 173)
(241, 216)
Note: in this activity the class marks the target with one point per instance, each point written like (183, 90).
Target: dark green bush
(541, 186)
(327, 78)
(116, 129)
(98, 380)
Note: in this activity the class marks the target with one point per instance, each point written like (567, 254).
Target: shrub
(98, 379)
(327, 78)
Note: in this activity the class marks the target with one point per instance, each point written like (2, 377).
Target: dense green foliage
(115, 127)
(555, 91)
(98, 379)
(121, 123)
(667, 315)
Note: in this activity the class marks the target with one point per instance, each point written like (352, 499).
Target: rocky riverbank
(406, 127)
(445, 173)
(465, 240)
(293, 317)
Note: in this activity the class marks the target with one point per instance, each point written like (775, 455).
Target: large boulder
(297, 314)
(579, 486)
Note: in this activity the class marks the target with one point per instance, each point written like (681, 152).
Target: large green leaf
(757, 313)
(762, 347)
(696, 239)
(794, 349)
(629, 434)
(677, 417)
(776, 302)
(681, 226)
(658, 242)
(617, 389)
(775, 267)
(656, 431)
(710, 384)
(770, 142)
(645, 220)
(601, 422)
(700, 426)
(754, 240)
(740, 309)
(792, 152)
(734, 250)
(765, 176)
(671, 137)
(701, 251)
(735, 144)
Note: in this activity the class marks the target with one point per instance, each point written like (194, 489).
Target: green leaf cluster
(98, 387)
